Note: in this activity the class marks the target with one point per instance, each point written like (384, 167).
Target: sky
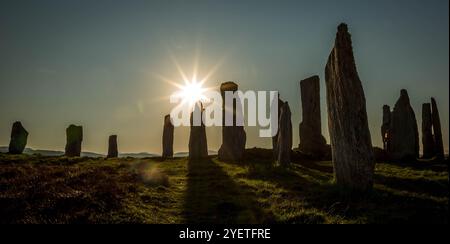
(99, 63)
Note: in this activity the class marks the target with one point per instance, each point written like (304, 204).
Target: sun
(193, 92)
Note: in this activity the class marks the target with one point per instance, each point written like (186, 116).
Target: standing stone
(198, 147)
(275, 137)
(438, 142)
(19, 138)
(284, 136)
(427, 132)
(233, 137)
(311, 140)
(404, 132)
(112, 147)
(352, 152)
(168, 137)
(385, 133)
(74, 138)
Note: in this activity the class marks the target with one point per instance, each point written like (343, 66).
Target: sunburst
(191, 90)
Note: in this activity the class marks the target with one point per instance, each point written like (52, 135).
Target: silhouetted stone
(353, 158)
(112, 147)
(74, 138)
(438, 142)
(284, 135)
(427, 132)
(168, 137)
(19, 138)
(275, 138)
(260, 155)
(311, 140)
(404, 132)
(233, 137)
(198, 147)
(385, 127)
(380, 154)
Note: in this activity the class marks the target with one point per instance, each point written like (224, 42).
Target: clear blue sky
(93, 62)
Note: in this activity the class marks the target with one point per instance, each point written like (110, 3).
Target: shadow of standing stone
(213, 197)
(19, 138)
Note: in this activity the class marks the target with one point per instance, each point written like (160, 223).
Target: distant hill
(180, 154)
(186, 154)
(138, 155)
(52, 153)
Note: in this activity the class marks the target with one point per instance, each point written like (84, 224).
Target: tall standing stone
(113, 152)
(19, 138)
(275, 137)
(385, 127)
(168, 137)
(74, 136)
(233, 137)
(311, 140)
(427, 132)
(198, 147)
(404, 132)
(438, 142)
(284, 135)
(351, 144)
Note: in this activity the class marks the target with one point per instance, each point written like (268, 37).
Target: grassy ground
(35, 189)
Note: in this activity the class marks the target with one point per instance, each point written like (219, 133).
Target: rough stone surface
(284, 136)
(19, 138)
(112, 147)
(404, 132)
(311, 140)
(198, 147)
(385, 127)
(74, 138)
(427, 132)
(233, 137)
(353, 157)
(438, 143)
(275, 138)
(168, 137)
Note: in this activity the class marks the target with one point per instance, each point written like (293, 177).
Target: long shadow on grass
(314, 188)
(311, 188)
(436, 188)
(213, 197)
(435, 166)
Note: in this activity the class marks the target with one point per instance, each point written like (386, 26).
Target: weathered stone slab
(353, 157)
(74, 136)
(19, 137)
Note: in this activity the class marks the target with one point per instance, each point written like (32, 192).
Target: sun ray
(180, 70)
(193, 90)
(169, 81)
(213, 70)
(196, 62)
